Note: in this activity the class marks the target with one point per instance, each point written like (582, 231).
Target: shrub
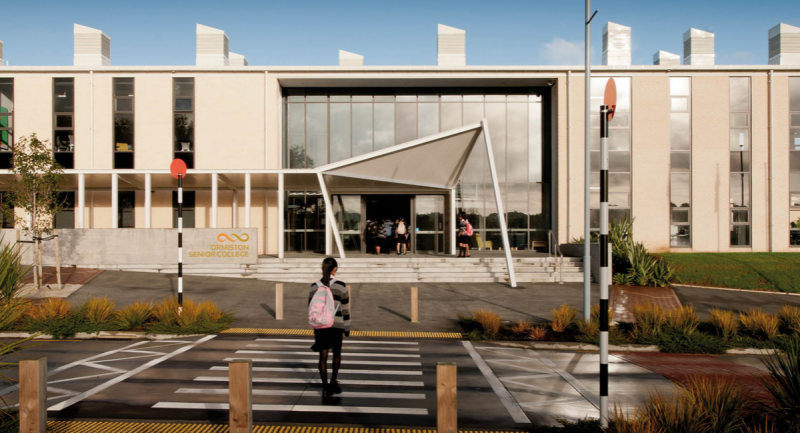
(12, 272)
(50, 309)
(589, 329)
(674, 341)
(683, 319)
(134, 316)
(11, 311)
(98, 310)
(784, 385)
(630, 422)
(190, 314)
(650, 319)
(760, 324)
(520, 327)
(210, 311)
(563, 316)
(790, 318)
(537, 333)
(725, 322)
(722, 401)
(166, 311)
(489, 321)
(674, 412)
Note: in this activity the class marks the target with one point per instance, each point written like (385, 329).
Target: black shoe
(335, 387)
(327, 392)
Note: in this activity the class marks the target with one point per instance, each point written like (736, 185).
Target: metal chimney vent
(451, 46)
(237, 59)
(784, 45)
(698, 47)
(347, 58)
(92, 47)
(212, 47)
(664, 58)
(616, 44)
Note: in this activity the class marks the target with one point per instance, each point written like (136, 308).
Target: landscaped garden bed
(749, 271)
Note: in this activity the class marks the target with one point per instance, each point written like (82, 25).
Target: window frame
(731, 208)
(6, 159)
(120, 154)
(793, 149)
(56, 128)
(689, 151)
(177, 150)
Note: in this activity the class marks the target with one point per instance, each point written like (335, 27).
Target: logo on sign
(222, 237)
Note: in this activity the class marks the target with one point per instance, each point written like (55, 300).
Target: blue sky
(306, 32)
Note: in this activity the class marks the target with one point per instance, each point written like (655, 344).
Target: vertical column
(81, 200)
(247, 200)
(214, 200)
(331, 222)
(328, 228)
(604, 260)
(148, 200)
(114, 200)
(235, 206)
(453, 223)
(512, 279)
(587, 167)
(281, 215)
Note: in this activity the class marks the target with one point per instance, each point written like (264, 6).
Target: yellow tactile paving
(142, 427)
(392, 334)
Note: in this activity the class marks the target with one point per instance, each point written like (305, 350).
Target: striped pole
(604, 274)
(180, 242)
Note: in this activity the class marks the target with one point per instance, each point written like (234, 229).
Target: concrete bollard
(240, 390)
(414, 305)
(278, 301)
(32, 395)
(446, 407)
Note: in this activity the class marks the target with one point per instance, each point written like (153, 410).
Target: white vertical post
(266, 119)
(214, 200)
(148, 200)
(587, 127)
(329, 229)
(114, 200)
(512, 279)
(329, 216)
(453, 223)
(247, 200)
(81, 200)
(235, 206)
(281, 215)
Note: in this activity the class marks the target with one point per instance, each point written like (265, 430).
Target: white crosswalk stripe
(342, 371)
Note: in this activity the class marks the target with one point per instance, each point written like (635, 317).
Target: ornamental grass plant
(784, 386)
(649, 318)
(725, 322)
(760, 324)
(50, 309)
(134, 316)
(489, 321)
(789, 317)
(98, 310)
(563, 316)
(537, 333)
(683, 319)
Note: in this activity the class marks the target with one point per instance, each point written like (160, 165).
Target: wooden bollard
(446, 407)
(33, 395)
(240, 390)
(278, 301)
(414, 305)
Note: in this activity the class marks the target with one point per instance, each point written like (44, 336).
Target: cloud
(562, 52)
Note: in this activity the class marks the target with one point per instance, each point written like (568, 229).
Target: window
(6, 121)
(66, 218)
(188, 209)
(64, 121)
(680, 181)
(305, 221)
(7, 215)
(125, 209)
(123, 123)
(794, 161)
(183, 109)
(740, 161)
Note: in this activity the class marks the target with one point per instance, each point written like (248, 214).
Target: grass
(759, 323)
(749, 271)
(725, 322)
(563, 316)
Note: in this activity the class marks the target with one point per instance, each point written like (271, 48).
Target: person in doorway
(330, 339)
(379, 231)
(464, 234)
(401, 235)
(389, 246)
(368, 236)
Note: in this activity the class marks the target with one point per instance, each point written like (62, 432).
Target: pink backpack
(468, 231)
(321, 310)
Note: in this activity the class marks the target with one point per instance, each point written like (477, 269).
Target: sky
(310, 32)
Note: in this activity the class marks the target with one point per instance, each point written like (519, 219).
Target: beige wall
(153, 122)
(781, 161)
(759, 229)
(33, 106)
(576, 160)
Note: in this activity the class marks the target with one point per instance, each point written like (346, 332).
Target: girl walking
(330, 339)
(401, 235)
(464, 233)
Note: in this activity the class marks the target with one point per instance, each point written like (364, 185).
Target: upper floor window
(6, 121)
(794, 161)
(740, 161)
(64, 121)
(123, 123)
(183, 111)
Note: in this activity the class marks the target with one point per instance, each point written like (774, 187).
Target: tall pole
(604, 271)
(587, 233)
(180, 241)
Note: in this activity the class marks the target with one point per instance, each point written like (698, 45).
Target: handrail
(551, 240)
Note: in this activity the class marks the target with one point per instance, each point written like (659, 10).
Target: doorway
(386, 207)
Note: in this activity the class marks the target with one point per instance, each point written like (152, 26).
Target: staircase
(387, 270)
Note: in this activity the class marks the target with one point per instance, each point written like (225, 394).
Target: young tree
(34, 189)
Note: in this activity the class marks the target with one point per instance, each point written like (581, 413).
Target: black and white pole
(180, 242)
(604, 259)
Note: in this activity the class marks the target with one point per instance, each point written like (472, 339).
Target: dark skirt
(463, 239)
(328, 339)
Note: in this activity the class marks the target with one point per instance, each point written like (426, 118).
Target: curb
(104, 335)
(639, 348)
(765, 292)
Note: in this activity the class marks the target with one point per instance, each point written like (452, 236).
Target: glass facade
(6, 121)
(740, 161)
(680, 144)
(64, 121)
(619, 152)
(123, 123)
(328, 125)
(183, 113)
(305, 221)
(125, 212)
(794, 161)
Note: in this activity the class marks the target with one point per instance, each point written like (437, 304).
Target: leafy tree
(34, 189)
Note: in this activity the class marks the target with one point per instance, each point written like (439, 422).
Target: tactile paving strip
(392, 334)
(141, 427)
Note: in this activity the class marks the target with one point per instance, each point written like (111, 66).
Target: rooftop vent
(92, 47)
(347, 58)
(616, 45)
(784, 45)
(212, 47)
(664, 58)
(452, 46)
(237, 59)
(698, 47)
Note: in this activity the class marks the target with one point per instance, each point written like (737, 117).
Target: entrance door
(384, 207)
(429, 223)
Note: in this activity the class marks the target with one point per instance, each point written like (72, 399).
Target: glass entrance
(305, 218)
(386, 209)
(429, 223)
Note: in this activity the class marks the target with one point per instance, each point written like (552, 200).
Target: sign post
(178, 170)
(606, 114)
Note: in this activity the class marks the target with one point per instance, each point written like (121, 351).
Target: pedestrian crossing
(378, 377)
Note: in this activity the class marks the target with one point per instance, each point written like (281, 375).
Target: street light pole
(587, 234)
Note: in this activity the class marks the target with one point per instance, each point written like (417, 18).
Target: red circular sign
(177, 167)
(610, 98)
